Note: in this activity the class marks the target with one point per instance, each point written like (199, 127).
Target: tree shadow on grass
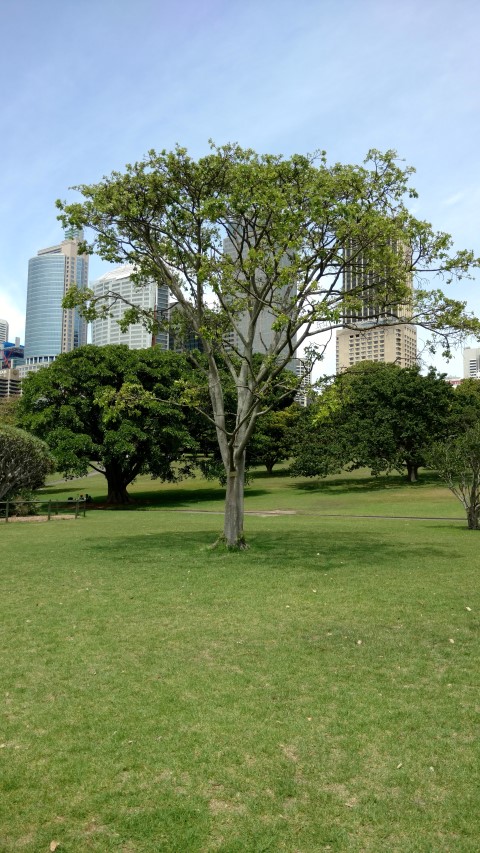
(181, 498)
(353, 485)
(262, 474)
(47, 491)
(298, 548)
(163, 498)
(177, 497)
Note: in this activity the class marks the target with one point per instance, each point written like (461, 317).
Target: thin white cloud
(454, 199)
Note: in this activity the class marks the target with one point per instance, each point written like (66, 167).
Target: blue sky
(93, 84)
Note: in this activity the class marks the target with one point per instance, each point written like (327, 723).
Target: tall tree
(288, 222)
(112, 410)
(379, 416)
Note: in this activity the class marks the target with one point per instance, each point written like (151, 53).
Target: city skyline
(277, 77)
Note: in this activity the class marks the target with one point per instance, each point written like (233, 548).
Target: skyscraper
(51, 329)
(264, 336)
(373, 333)
(3, 330)
(150, 297)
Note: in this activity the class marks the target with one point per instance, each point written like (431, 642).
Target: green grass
(302, 696)
(356, 493)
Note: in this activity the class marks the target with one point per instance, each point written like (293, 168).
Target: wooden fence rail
(7, 508)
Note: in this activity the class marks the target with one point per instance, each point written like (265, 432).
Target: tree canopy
(287, 223)
(274, 437)
(376, 415)
(457, 461)
(466, 408)
(456, 457)
(9, 409)
(112, 410)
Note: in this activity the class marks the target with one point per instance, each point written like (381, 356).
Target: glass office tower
(51, 329)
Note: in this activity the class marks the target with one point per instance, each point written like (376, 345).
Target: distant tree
(379, 416)
(466, 405)
(25, 461)
(457, 461)
(274, 436)
(112, 410)
(288, 222)
(320, 446)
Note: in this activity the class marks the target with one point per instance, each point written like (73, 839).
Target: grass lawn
(318, 692)
(356, 493)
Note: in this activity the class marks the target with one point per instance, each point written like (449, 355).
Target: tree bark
(234, 504)
(473, 511)
(473, 520)
(117, 489)
(233, 448)
(412, 472)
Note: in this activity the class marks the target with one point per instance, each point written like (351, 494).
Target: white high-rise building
(3, 331)
(471, 363)
(150, 297)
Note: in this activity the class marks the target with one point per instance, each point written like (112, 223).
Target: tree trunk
(473, 518)
(233, 447)
(412, 472)
(233, 523)
(117, 490)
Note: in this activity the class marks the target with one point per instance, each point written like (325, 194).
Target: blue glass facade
(44, 315)
(51, 329)
(80, 325)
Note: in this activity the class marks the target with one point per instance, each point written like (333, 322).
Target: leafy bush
(24, 504)
(24, 462)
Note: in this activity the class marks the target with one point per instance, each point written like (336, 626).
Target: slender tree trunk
(473, 511)
(234, 504)
(232, 457)
(473, 520)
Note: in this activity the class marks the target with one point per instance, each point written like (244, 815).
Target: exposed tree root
(239, 545)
